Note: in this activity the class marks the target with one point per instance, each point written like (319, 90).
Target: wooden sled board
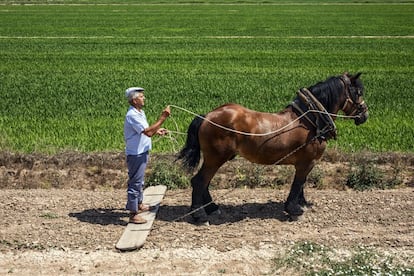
(134, 235)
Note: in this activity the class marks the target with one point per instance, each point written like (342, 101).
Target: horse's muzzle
(362, 116)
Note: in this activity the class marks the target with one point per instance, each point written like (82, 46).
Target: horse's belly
(288, 153)
(265, 157)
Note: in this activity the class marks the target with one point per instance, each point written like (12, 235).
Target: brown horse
(295, 136)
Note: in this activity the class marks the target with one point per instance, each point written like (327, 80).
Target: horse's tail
(190, 153)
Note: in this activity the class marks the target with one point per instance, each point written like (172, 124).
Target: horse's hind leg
(211, 207)
(207, 199)
(200, 183)
(200, 195)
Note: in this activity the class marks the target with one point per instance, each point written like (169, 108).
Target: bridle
(353, 103)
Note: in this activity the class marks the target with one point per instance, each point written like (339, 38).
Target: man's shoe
(144, 208)
(137, 219)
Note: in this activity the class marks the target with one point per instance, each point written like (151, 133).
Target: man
(137, 135)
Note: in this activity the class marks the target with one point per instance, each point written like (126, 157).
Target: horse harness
(320, 118)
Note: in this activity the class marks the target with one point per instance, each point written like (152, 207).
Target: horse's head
(354, 104)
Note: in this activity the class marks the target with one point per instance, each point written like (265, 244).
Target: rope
(177, 132)
(259, 134)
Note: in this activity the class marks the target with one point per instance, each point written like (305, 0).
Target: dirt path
(68, 231)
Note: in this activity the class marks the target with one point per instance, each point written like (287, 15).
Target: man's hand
(166, 112)
(162, 131)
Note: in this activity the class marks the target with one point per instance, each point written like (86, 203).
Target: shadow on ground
(102, 216)
(229, 214)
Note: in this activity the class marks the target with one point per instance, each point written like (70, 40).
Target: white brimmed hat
(133, 89)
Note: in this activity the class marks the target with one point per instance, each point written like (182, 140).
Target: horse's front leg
(296, 199)
(302, 201)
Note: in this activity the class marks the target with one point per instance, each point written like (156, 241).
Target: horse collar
(321, 119)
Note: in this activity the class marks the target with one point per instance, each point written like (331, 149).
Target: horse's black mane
(327, 92)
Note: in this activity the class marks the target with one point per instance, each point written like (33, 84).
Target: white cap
(133, 89)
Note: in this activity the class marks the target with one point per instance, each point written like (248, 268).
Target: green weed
(368, 176)
(315, 178)
(22, 246)
(251, 177)
(168, 173)
(309, 258)
(49, 215)
(299, 255)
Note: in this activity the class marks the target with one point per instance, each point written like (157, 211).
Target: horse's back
(242, 119)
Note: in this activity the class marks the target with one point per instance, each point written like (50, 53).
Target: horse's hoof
(294, 210)
(216, 213)
(305, 204)
(201, 221)
(204, 223)
(212, 209)
(199, 216)
(293, 218)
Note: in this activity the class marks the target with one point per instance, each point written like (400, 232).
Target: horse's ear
(357, 76)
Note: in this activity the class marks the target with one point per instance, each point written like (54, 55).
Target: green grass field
(64, 68)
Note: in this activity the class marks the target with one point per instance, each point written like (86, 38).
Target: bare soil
(63, 214)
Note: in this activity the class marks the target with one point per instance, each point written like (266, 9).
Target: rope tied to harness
(304, 114)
